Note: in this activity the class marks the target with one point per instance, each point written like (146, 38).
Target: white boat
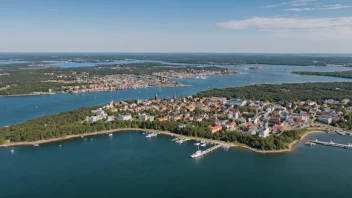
(36, 145)
(197, 144)
(310, 144)
(331, 142)
(203, 145)
(12, 151)
(175, 139)
(150, 135)
(110, 134)
(196, 154)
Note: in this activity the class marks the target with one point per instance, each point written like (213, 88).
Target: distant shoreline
(54, 93)
(291, 146)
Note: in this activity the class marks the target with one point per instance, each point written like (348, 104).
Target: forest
(285, 92)
(343, 74)
(72, 123)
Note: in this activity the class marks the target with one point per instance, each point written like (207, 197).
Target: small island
(265, 124)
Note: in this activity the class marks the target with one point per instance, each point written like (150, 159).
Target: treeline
(342, 74)
(72, 123)
(286, 92)
(201, 58)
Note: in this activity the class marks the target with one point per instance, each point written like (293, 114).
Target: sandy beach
(291, 146)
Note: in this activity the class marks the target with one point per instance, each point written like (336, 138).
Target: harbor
(331, 144)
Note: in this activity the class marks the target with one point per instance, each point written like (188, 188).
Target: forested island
(286, 92)
(343, 74)
(263, 117)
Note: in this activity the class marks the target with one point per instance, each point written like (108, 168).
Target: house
(277, 128)
(93, 119)
(242, 120)
(275, 120)
(326, 119)
(215, 129)
(182, 126)
(228, 125)
(264, 133)
(178, 117)
(236, 102)
(110, 118)
(146, 117)
(124, 117)
(162, 119)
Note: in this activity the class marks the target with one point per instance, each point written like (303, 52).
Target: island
(21, 79)
(262, 118)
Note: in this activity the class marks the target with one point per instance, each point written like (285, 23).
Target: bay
(130, 165)
(20, 109)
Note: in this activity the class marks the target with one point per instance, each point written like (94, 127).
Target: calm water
(129, 165)
(19, 109)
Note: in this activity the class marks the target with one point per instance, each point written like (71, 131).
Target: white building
(124, 117)
(146, 117)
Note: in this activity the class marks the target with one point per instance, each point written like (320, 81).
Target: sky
(221, 26)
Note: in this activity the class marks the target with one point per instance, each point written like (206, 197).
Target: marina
(332, 144)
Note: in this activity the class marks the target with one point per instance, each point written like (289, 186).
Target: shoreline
(290, 149)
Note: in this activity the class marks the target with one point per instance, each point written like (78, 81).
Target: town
(260, 118)
(84, 82)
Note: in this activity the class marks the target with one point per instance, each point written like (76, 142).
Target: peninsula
(17, 80)
(271, 123)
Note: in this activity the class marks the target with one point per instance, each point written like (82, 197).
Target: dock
(332, 144)
(211, 149)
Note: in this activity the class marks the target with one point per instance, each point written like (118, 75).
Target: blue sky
(271, 26)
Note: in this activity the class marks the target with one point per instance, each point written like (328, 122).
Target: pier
(211, 149)
(332, 144)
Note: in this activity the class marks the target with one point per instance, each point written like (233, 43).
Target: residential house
(215, 129)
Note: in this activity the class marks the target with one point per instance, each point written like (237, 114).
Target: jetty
(211, 149)
(332, 144)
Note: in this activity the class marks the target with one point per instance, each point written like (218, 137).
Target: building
(124, 117)
(146, 117)
(325, 119)
(215, 129)
(182, 126)
(236, 102)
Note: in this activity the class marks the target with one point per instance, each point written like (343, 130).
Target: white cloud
(325, 7)
(53, 10)
(295, 3)
(335, 7)
(309, 28)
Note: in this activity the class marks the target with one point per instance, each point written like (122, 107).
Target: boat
(175, 139)
(343, 133)
(332, 143)
(36, 145)
(110, 134)
(310, 144)
(197, 144)
(203, 145)
(198, 153)
(81, 136)
(12, 151)
(150, 135)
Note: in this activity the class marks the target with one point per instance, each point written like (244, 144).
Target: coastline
(290, 149)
